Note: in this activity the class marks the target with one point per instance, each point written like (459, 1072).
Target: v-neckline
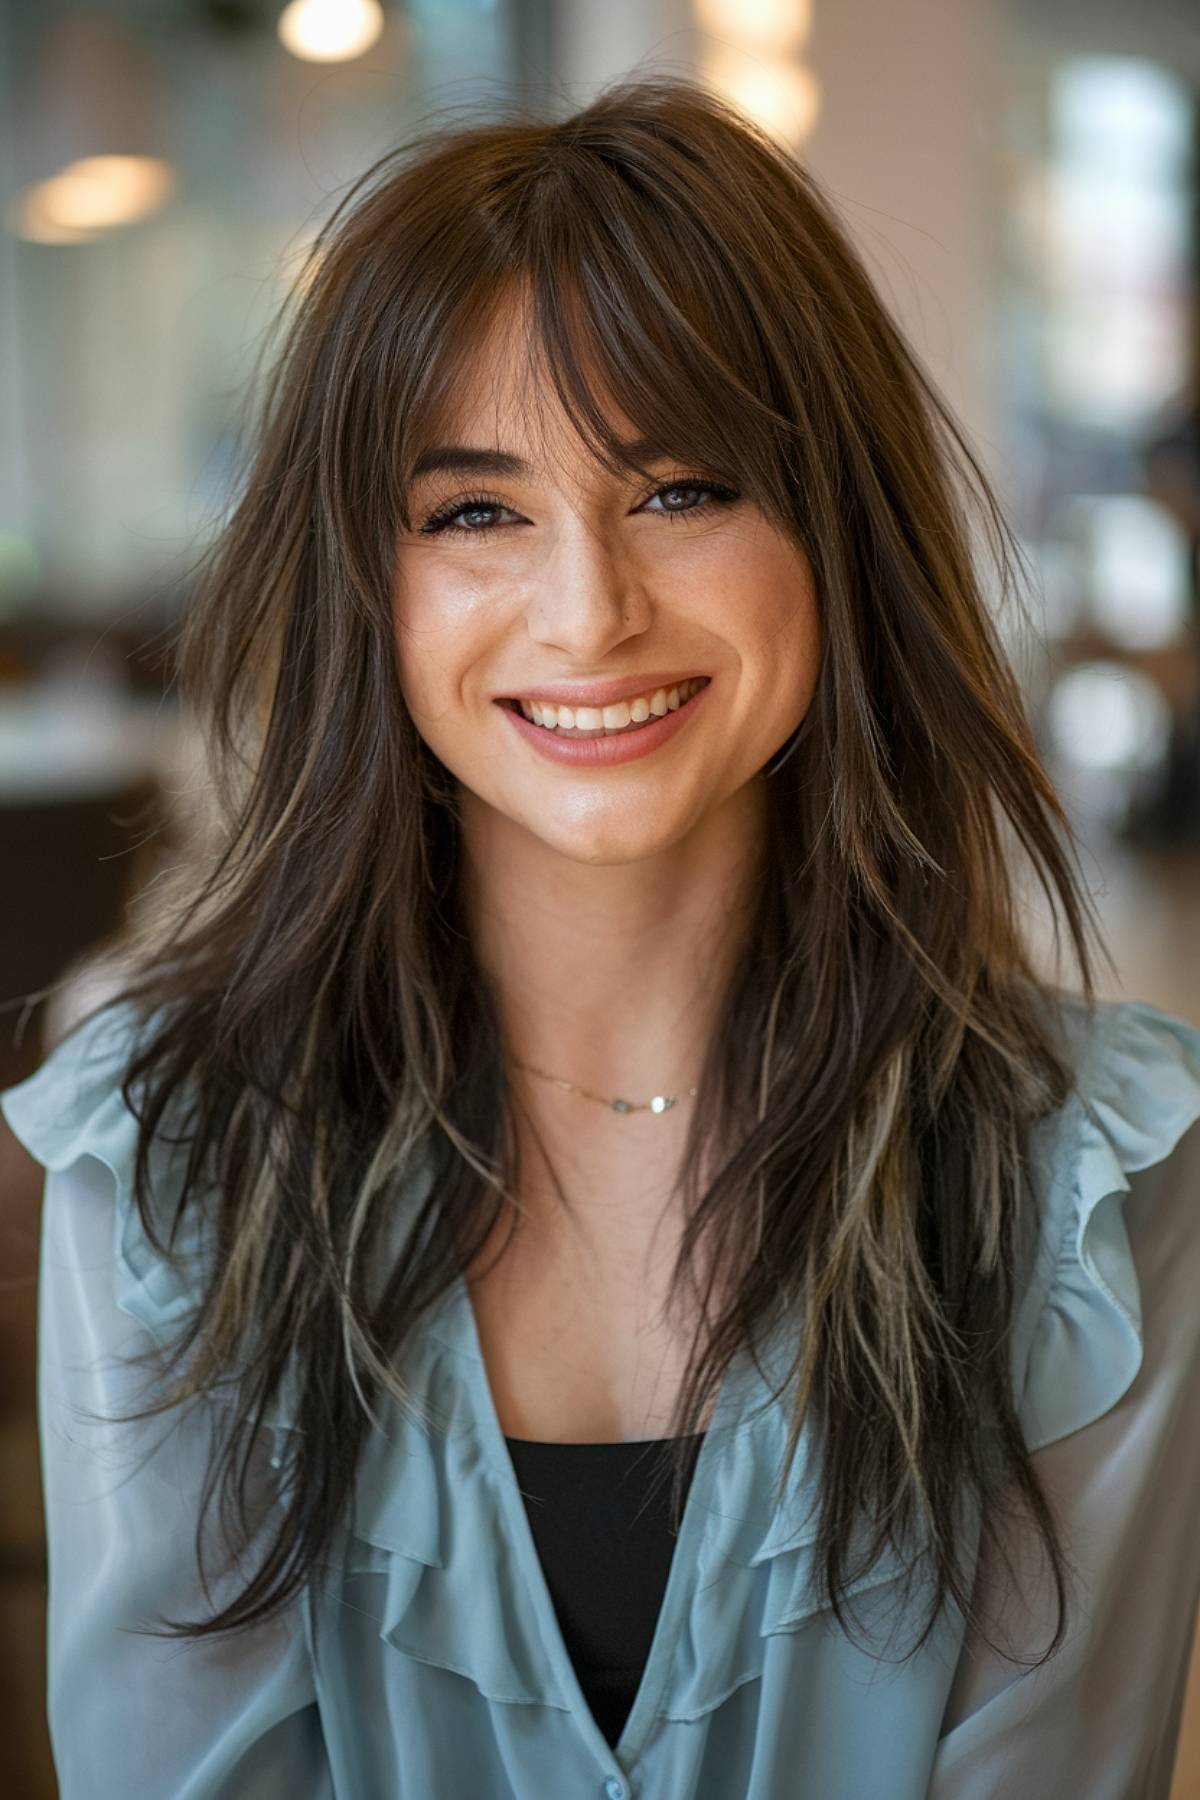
(681, 1575)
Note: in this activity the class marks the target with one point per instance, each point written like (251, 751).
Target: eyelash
(722, 496)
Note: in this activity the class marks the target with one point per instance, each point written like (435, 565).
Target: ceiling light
(330, 30)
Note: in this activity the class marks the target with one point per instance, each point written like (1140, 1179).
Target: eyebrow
(471, 459)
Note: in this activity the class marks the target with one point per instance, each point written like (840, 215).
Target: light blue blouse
(441, 1672)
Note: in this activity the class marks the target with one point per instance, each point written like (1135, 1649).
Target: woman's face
(545, 573)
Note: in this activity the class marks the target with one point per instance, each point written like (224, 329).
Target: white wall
(907, 142)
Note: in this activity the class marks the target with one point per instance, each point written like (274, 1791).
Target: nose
(587, 596)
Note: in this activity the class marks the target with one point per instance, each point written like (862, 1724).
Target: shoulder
(73, 1104)
(73, 1116)
(1137, 1073)
(1124, 1130)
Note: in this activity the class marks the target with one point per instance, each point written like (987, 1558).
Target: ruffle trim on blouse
(757, 1576)
(429, 1517)
(438, 1519)
(1078, 1343)
(73, 1107)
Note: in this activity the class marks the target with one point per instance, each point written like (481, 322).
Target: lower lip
(622, 747)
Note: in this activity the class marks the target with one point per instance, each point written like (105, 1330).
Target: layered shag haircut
(885, 1043)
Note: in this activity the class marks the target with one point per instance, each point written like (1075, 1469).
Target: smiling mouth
(642, 711)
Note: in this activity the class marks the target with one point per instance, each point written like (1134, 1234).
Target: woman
(604, 1046)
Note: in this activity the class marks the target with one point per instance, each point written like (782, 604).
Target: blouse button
(614, 1789)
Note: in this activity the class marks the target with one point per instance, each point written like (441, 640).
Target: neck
(611, 976)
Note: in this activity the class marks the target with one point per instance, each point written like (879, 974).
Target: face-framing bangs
(627, 269)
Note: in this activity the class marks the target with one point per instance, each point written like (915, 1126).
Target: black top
(602, 1528)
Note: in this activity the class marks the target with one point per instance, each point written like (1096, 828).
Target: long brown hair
(885, 1041)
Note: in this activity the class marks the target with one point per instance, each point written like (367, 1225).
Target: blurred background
(1022, 178)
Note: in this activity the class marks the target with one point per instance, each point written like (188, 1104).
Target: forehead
(501, 395)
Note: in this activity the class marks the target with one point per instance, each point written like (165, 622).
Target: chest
(575, 1333)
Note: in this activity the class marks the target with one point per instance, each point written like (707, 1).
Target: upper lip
(602, 693)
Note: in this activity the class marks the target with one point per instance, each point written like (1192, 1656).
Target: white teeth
(609, 718)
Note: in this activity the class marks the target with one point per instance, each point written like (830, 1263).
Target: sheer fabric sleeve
(1112, 1413)
(129, 1713)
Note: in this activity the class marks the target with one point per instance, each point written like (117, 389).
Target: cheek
(772, 595)
(440, 629)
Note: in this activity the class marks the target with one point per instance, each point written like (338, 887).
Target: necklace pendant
(662, 1103)
(621, 1106)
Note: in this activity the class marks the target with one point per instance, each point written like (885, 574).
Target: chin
(608, 847)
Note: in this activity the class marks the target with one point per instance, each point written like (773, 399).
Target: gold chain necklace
(661, 1103)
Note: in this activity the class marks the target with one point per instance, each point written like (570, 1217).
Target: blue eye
(718, 496)
(488, 503)
(475, 503)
